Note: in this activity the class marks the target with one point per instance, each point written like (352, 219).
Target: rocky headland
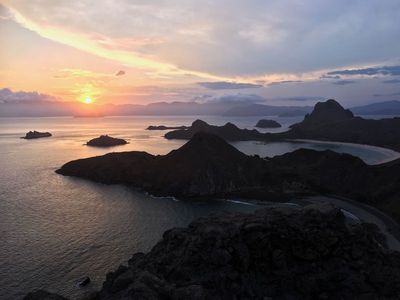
(106, 141)
(274, 253)
(36, 135)
(229, 132)
(329, 121)
(208, 166)
(268, 124)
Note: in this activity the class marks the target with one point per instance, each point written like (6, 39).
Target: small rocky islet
(163, 127)
(36, 135)
(106, 141)
(264, 123)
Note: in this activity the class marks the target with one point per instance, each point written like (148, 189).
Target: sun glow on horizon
(88, 100)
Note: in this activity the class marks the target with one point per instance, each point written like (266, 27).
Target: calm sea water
(55, 229)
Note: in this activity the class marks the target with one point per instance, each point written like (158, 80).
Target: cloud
(238, 98)
(392, 81)
(224, 85)
(329, 77)
(384, 70)
(305, 98)
(387, 95)
(4, 13)
(8, 96)
(201, 98)
(120, 73)
(344, 82)
(284, 82)
(81, 73)
(262, 37)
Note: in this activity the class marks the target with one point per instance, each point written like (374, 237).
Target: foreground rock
(163, 127)
(268, 124)
(288, 253)
(207, 166)
(229, 132)
(36, 135)
(43, 295)
(275, 253)
(106, 141)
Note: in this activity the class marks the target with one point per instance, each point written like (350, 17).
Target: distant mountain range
(382, 108)
(234, 108)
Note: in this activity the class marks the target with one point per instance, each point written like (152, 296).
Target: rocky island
(106, 141)
(274, 253)
(36, 135)
(329, 121)
(268, 124)
(229, 132)
(207, 166)
(163, 127)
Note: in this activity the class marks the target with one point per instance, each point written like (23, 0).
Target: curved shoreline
(363, 212)
(393, 155)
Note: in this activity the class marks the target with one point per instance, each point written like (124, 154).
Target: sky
(125, 51)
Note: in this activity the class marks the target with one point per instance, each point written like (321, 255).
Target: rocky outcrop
(268, 124)
(331, 122)
(36, 135)
(106, 141)
(326, 112)
(207, 166)
(43, 295)
(163, 127)
(203, 166)
(275, 253)
(229, 132)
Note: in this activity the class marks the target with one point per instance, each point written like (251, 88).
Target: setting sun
(88, 100)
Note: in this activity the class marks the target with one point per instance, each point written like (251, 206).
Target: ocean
(56, 229)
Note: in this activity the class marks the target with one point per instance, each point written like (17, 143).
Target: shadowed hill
(203, 166)
(229, 132)
(286, 253)
(207, 166)
(326, 112)
(329, 121)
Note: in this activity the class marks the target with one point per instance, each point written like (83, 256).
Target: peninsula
(328, 121)
(208, 166)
